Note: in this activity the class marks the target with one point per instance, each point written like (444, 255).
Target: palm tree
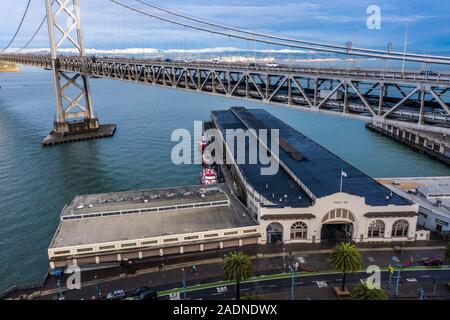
(237, 268)
(346, 258)
(363, 292)
(447, 253)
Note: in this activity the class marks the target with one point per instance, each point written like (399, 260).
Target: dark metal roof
(273, 187)
(317, 168)
(390, 214)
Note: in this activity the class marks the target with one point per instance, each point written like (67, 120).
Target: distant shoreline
(9, 67)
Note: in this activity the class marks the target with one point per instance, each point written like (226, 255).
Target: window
(340, 214)
(376, 229)
(299, 230)
(229, 233)
(171, 240)
(149, 242)
(191, 238)
(127, 245)
(84, 250)
(249, 231)
(400, 228)
(57, 253)
(107, 247)
(211, 235)
(441, 222)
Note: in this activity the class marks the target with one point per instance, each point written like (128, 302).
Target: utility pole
(292, 281)
(404, 48)
(184, 283)
(434, 285)
(391, 272)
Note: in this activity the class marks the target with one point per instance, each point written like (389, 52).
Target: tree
(447, 252)
(237, 268)
(346, 258)
(363, 292)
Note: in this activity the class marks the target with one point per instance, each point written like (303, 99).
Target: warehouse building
(126, 226)
(315, 195)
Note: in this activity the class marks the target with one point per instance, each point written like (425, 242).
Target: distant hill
(8, 67)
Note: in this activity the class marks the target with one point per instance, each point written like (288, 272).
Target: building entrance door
(274, 233)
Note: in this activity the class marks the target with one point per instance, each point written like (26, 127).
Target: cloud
(107, 25)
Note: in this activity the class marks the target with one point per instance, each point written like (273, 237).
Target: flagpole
(340, 189)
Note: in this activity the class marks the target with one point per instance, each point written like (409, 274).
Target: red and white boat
(208, 176)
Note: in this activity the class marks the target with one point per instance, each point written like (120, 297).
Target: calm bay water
(36, 182)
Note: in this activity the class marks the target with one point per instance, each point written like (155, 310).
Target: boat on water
(208, 176)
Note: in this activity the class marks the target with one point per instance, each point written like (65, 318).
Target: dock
(104, 131)
(436, 145)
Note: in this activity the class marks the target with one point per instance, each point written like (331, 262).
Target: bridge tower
(74, 110)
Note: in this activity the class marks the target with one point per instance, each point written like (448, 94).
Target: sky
(108, 26)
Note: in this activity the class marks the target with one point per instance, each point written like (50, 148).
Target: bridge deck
(411, 99)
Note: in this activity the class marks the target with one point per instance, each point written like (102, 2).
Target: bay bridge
(417, 98)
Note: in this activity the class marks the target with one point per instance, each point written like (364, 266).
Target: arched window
(400, 228)
(299, 230)
(341, 214)
(376, 229)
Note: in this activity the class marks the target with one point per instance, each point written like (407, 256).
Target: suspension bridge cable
(18, 28)
(283, 38)
(34, 35)
(282, 44)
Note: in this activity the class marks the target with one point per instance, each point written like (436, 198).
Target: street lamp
(58, 282)
(96, 285)
(403, 246)
(184, 283)
(292, 281)
(284, 262)
(391, 272)
(399, 266)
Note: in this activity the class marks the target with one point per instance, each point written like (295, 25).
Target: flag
(343, 174)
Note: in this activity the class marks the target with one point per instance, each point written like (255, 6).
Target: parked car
(433, 262)
(115, 295)
(138, 291)
(148, 295)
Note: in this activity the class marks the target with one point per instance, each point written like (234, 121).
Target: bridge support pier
(75, 117)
